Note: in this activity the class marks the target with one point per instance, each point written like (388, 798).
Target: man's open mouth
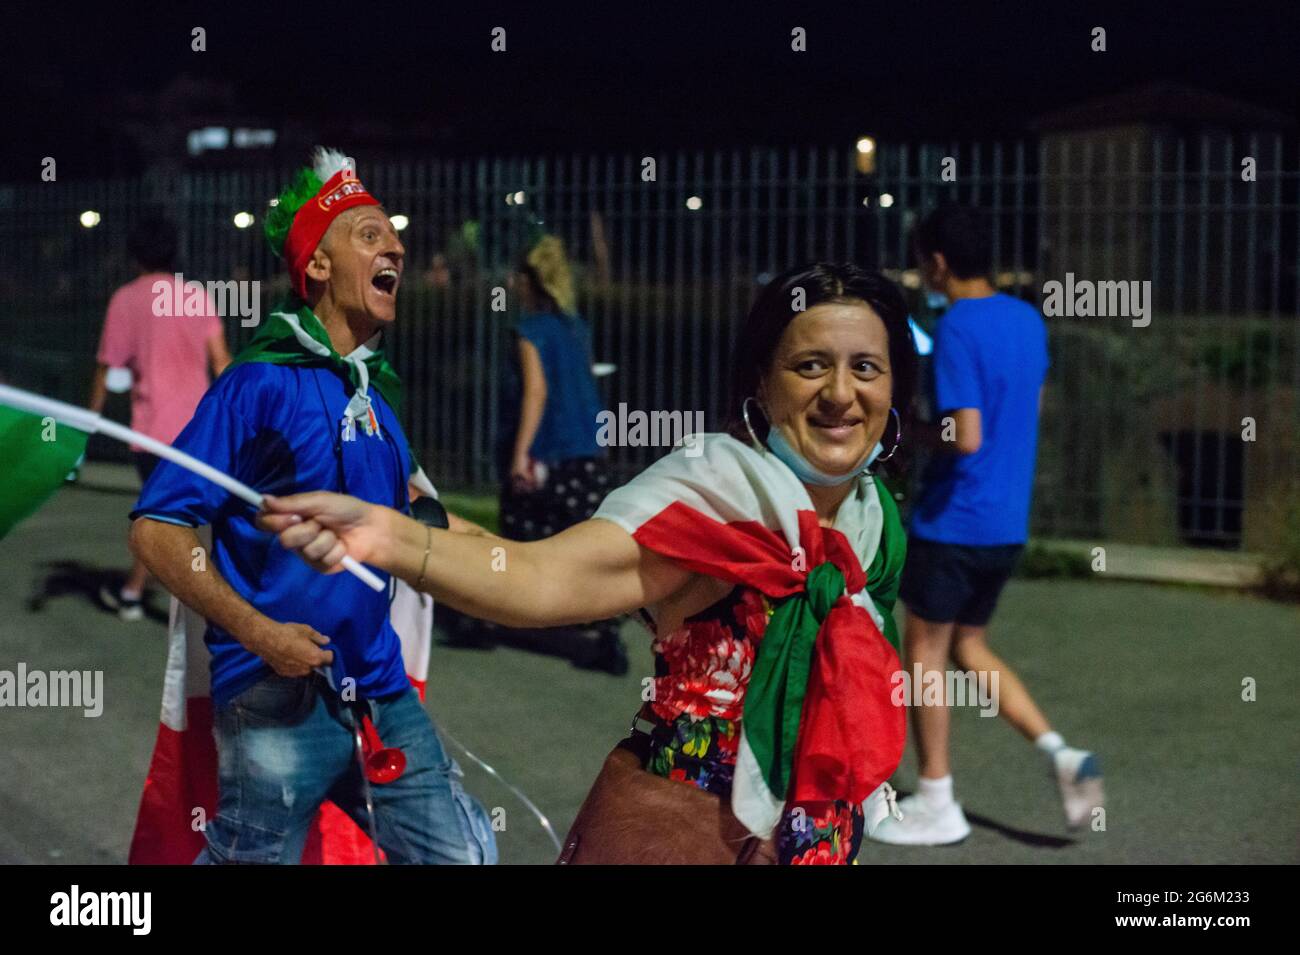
(386, 281)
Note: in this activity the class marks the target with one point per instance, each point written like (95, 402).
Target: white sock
(936, 793)
(1050, 742)
(130, 595)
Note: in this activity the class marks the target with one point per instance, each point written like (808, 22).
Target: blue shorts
(943, 583)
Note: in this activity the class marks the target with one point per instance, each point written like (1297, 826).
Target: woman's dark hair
(152, 242)
(821, 283)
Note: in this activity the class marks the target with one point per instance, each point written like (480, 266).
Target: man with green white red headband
(298, 661)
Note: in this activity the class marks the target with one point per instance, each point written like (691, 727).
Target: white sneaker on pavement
(1078, 775)
(922, 826)
(128, 610)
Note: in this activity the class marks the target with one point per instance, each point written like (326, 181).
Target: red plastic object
(383, 764)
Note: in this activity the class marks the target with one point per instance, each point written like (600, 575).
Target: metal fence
(1184, 430)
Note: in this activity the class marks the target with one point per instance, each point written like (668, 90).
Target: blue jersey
(277, 429)
(990, 354)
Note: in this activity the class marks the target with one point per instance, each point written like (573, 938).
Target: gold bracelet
(424, 564)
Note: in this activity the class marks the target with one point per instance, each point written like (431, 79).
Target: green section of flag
(886, 570)
(36, 455)
(779, 681)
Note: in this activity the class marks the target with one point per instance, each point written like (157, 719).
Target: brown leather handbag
(633, 817)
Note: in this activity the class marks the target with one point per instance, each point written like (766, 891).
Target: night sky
(621, 75)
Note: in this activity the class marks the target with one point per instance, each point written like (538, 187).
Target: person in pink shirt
(168, 353)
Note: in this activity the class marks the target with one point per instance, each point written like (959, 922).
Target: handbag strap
(649, 724)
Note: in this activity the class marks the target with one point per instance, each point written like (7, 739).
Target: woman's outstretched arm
(590, 571)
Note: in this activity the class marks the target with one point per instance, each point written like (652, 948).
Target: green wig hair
(308, 181)
(279, 218)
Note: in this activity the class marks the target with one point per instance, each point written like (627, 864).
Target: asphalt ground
(1148, 676)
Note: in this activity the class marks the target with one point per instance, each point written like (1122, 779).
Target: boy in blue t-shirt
(971, 519)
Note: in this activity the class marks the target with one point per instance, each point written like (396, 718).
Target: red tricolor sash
(818, 722)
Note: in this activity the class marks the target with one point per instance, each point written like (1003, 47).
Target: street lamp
(866, 157)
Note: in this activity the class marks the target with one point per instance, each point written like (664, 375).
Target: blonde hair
(551, 267)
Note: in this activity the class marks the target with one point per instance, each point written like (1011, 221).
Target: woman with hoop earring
(765, 561)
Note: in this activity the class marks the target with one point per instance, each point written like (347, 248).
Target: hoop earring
(744, 412)
(898, 436)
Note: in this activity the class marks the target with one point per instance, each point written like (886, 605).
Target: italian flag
(180, 792)
(818, 723)
(39, 453)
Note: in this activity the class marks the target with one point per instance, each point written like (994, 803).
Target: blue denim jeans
(285, 745)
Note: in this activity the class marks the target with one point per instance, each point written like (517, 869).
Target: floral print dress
(701, 672)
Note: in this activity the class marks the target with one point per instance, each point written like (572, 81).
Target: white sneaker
(882, 804)
(1078, 774)
(922, 826)
(128, 610)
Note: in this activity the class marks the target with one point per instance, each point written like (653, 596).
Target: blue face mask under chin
(804, 471)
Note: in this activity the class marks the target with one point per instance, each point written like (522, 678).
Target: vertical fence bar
(696, 318)
(715, 363)
(830, 207)
(1227, 332)
(1143, 439)
(662, 277)
(1294, 486)
(1044, 267)
(811, 209)
(1021, 215)
(1062, 361)
(647, 193)
(905, 199)
(1202, 309)
(850, 203)
(1275, 297)
(737, 271)
(790, 193)
(773, 213)
(1111, 400)
(995, 183)
(671, 391)
(627, 179)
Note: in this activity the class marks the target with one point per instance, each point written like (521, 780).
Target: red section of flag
(165, 832)
(334, 839)
(851, 736)
(183, 777)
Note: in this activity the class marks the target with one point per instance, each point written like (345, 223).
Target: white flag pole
(85, 420)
